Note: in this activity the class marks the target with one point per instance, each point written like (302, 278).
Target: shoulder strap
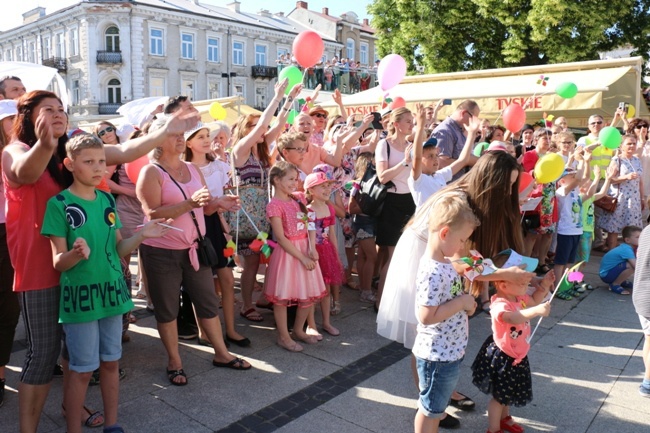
(196, 223)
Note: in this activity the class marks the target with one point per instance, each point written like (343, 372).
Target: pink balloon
(391, 70)
(133, 168)
(308, 48)
(398, 102)
(514, 117)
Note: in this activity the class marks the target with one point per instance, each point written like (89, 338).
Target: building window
(260, 55)
(349, 48)
(114, 91)
(363, 53)
(238, 53)
(31, 55)
(214, 89)
(60, 45)
(187, 88)
(76, 92)
(260, 96)
(112, 38)
(9, 56)
(47, 47)
(157, 86)
(74, 42)
(156, 47)
(213, 49)
(187, 45)
(239, 90)
(19, 54)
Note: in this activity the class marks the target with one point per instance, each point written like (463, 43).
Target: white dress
(396, 319)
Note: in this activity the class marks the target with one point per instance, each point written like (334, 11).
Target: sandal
(336, 308)
(291, 347)
(618, 290)
(542, 269)
(564, 295)
(252, 315)
(94, 420)
(509, 425)
(587, 286)
(173, 374)
(464, 403)
(235, 364)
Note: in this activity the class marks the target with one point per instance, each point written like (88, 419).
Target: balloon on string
(397, 102)
(293, 75)
(525, 180)
(549, 168)
(292, 116)
(133, 168)
(631, 111)
(308, 48)
(514, 117)
(217, 112)
(391, 70)
(566, 90)
(610, 137)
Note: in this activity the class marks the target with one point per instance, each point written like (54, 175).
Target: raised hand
(44, 131)
(280, 88)
(182, 120)
(474, 124)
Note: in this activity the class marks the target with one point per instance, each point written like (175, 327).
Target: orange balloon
(398, 102)
(133, 168)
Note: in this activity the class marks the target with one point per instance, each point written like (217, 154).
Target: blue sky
(11, 17)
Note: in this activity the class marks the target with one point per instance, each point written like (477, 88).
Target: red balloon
(308, 48)
(514, 117)
(398, 101)
(133, 168)
(524, 180)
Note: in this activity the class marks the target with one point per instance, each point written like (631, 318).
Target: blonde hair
(79, 142)
(287, 139)
(451, 210)
(361, 164)
(279, 170)
(395, 116)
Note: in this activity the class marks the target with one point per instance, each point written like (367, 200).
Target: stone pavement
(586, 362)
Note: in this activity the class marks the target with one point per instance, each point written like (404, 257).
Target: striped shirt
(641, 292)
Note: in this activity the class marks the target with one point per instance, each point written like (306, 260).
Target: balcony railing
(108, 108)
(264, 72)
(57, 63)
(109, 57)
(348, 81)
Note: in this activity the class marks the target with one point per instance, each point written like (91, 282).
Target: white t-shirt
(216, 175)
(437, 283)
(427, 185)
(396, 157)
(570, 212)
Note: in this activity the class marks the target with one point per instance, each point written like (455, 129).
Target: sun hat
(318, 109)
(7, 108)
(315, 179)
(189, 134)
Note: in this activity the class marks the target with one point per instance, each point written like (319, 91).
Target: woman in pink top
(32, 173)
(171, 188)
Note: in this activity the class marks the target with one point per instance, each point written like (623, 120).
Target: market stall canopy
(602, 85)
(36, 77)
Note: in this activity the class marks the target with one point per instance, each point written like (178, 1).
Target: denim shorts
(364, 226)
(613, 273)
(437, 381)
(89, 343)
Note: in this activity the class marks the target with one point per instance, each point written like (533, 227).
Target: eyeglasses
(600, 122)
(297, 149)
(105, 131)
(566, 142)
(321, 115)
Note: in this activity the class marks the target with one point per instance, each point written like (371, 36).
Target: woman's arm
(387, 174)
(243, 148)
(338, 99)
(283, 115)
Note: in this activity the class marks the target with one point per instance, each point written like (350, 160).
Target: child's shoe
(645, 392)
(579, 288)
(619, 290)
(335, 308)
(587, 286)
(509, 425)
(367, 296)
(627, 285)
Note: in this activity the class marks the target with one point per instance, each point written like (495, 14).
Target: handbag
(607, 203)
(372, 194)
(255, 198)
(204, 249)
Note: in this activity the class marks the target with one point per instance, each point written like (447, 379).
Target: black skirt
(397, 210)
(214, 232)
(493, 373)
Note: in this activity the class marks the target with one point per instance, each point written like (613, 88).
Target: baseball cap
(431, 142)
(315, 179)
(7, 108)
(567, 171)
(497, 146)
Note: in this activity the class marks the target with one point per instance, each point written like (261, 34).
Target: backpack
(372, 193)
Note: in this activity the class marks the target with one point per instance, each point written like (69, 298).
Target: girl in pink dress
(292, 277)
(318, 188)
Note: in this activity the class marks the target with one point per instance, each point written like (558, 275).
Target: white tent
(37, 77)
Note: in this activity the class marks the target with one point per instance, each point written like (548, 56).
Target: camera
(623, 106)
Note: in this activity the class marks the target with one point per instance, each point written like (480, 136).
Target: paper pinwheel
(262, 244)
(476, 265)
(543, 80)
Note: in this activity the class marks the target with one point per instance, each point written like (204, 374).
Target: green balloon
(567, 90)
(480, 148)
(292, 74)
(291, 117)
(610, 137)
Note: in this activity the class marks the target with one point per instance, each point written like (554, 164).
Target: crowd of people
(295, 199)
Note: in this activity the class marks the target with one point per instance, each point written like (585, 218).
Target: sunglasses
(105, 131)
(321, 115)
(600, 122)
(640, 126)
(297, 149)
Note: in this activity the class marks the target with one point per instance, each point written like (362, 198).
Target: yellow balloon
(217, 112)
(549, 168)
(631, 111)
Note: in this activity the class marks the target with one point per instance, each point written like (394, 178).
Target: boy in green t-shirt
(587, 191)
(83, 228)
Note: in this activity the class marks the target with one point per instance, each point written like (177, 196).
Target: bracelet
(289, 99)
(277, 101)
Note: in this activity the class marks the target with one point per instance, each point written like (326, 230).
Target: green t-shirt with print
(588, 215)
(95, 288)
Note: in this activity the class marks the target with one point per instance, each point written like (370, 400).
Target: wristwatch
(405, 164)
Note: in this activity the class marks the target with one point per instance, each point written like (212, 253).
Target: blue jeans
(437, 381)
(90, 342)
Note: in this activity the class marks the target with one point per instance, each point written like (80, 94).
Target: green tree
(446, 36)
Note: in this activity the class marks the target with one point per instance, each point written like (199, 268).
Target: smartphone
(623, 106)
(446, 102)
(376, 122)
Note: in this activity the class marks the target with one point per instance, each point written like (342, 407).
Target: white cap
(7, 108)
